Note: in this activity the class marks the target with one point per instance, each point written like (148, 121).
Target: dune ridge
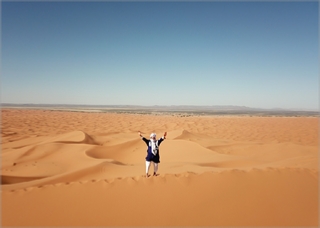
(214, 171)
(257, 189)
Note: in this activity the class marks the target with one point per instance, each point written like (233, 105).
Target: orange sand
(86, 169)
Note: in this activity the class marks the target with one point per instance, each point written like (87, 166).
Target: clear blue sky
(256, 54)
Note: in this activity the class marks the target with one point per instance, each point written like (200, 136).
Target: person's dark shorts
(151, 157)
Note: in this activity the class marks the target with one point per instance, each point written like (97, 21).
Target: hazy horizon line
(158, 106)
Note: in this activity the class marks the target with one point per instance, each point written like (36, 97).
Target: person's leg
(155, 165)
(147, 168)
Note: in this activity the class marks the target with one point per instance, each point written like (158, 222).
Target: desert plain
(64, 168)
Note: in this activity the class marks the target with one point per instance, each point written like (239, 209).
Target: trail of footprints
(313, 172)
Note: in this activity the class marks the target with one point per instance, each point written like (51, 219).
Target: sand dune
(87, 169)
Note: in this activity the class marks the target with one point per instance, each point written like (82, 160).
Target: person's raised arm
(143, 138)
(164, 135)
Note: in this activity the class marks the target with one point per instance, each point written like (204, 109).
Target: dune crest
(255, 192)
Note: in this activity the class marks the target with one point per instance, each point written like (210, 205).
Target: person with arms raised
(153, 151)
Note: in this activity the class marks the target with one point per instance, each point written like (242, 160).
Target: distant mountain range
(171, 108)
